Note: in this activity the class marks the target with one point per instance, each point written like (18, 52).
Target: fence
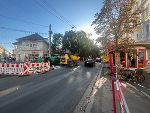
(24, 68)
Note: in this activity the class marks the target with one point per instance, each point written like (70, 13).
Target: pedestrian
(133, 62)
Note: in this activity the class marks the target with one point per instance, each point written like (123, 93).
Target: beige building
(3, 53)
(30, 47)
(1, 50)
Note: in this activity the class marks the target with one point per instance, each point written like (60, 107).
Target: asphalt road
(137, 102)
(58, 91)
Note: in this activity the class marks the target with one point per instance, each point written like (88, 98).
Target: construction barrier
(121, 98)
(24, 68)
(11, 69)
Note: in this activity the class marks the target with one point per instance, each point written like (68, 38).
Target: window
(34, 45)
(137, 36)
(141, 56)
(147, 31)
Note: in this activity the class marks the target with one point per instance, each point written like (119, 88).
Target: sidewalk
(99, 100)
(103, 98)
(144, 87)
(146, 83)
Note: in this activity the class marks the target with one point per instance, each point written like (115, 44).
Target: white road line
(124, 85)
(145, 94)
(8, 91)
(143, 86)
(57, 67)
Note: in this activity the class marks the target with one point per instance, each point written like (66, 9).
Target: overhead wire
(58, 13)
(44, 5)
(24, 21)
(46, 9)
(25, 31)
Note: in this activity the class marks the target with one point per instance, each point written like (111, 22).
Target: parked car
(89, 62)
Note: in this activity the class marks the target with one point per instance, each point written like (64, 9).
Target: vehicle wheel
(134, 78)
(70, 63)
(141, 78)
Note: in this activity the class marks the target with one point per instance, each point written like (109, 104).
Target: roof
(15, 43)
(33, 37)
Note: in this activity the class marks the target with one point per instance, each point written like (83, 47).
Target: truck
(69, 60)
(54, 59)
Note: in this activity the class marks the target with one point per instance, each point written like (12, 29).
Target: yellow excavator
(69, 60)
(105, 58)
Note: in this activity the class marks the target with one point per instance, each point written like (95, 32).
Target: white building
(142, 35)
(31, 46)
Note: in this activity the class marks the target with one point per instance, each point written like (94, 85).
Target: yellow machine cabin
(69, 60)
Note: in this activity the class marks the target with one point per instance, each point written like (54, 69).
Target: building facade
(142, 34)
(1, 51)
(4, 53)
(30, 47)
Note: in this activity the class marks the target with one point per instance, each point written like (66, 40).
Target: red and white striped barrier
(31, 68)
(121, 98)
(24, 68)
(11, 69)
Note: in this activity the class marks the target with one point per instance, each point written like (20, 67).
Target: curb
(145, 94)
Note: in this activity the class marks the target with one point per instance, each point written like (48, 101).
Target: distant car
(89, 62)
(98, 59)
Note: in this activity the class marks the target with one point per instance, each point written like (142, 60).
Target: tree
(78, 42)
(69, 42)
(103, 40)
(56, 42)
(117, 19)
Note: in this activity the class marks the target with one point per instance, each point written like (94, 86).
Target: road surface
(58, 91)
(62, 90)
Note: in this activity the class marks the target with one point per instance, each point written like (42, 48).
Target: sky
(29, 15)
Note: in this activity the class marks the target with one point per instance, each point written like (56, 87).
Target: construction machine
(69, 60)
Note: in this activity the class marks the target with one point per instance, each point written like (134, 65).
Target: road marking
(8, 91)
(57, 67)
(33, 88)
(124, 85)
(145, 94)
(74, 69)
(86, 102)
(143, 86)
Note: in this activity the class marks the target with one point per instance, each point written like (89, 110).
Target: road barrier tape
(24, 68)
(121, 98)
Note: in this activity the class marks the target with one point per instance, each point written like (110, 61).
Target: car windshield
(89, 59)
(74, 56)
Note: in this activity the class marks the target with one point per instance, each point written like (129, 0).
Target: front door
(141, 58)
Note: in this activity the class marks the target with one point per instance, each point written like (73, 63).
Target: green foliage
(78, 42)
(103, 40)
(56, 42)
(117, 19)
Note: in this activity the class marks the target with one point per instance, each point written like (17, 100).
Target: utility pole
(50, 33)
